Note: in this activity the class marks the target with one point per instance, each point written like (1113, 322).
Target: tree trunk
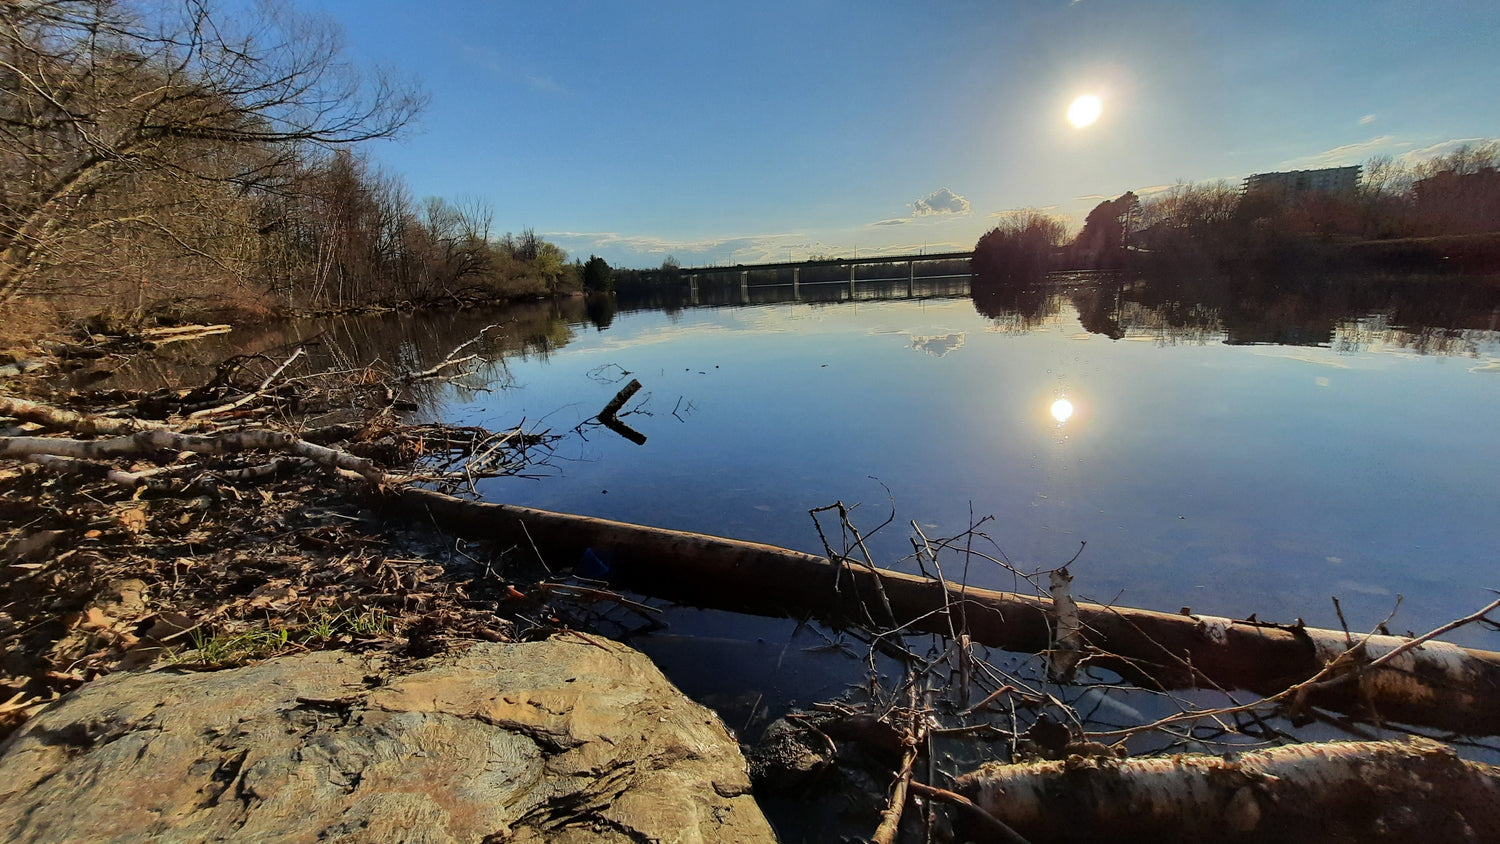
(1339, 791)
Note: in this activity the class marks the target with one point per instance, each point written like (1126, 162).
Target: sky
(719, 132)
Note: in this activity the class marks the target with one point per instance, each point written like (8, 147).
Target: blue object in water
(596, 564)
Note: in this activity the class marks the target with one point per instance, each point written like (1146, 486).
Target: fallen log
(145, 442)
(68, 420)
(158, 337)
(1337, 791)
(1429, 683)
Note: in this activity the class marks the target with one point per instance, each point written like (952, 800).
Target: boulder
(561, 741)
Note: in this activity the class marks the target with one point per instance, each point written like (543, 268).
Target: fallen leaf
(170, 625)
(133, 519)
(273, 593)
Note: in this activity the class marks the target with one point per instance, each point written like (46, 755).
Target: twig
(567, 589)
(953, 798)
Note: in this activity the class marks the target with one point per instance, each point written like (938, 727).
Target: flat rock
(557, 741)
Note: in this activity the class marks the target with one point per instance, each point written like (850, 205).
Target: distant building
(1327, 180)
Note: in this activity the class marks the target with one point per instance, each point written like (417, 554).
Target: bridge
(850, 271)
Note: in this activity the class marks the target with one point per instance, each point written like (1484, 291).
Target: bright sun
(1062, 409)
(1084, 110)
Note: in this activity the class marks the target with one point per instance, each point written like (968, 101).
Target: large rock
(559, 741)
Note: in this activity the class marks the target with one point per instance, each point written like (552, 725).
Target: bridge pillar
(797, 284)
(851, 281)
(693, 288)
(911, 277)
(744, 287)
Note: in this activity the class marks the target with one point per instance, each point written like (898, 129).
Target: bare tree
(101, 98)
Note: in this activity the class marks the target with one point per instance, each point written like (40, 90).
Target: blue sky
(719, 132)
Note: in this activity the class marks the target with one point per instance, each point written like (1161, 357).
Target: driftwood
(620, 398)
(451, 359)
(609, 420)
(146, 442)
(1428, 683)
(68, 420)
(249, 397)
(1338, 791)
(158, 337)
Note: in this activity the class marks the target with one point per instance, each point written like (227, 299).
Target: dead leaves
(132, 519)
(215, 565)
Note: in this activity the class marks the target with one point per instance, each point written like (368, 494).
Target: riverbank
(211, 560)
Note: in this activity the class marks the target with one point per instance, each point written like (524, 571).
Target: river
(1234, 451)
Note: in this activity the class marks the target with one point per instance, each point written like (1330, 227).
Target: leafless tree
(105, 102)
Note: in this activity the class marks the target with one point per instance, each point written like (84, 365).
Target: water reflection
(397, 341)
(939, 345)
(1448, 316)
(1349, 313)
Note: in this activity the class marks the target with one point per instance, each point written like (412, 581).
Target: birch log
(68, 420)
(1417, 790)
(145, 442)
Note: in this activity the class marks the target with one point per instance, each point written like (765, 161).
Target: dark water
(1234, 447)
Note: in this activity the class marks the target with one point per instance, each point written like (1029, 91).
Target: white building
(1326, 180)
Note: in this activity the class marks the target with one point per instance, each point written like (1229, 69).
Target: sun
(1062, 410)
(1084, 110)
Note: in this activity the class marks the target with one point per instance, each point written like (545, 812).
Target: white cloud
(546, 84)
(940, 201)
(1443, 148)
(1347, 154)
(493, 62)
(1367, 120)
(898, 221)
(1358, 153)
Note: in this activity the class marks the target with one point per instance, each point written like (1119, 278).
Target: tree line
(1439, 213)
(159, 155)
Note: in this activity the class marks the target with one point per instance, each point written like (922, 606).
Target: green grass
(326, 628)
(235, 648)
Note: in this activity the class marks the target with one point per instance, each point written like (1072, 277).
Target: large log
(1434, 683)
(1338, 791)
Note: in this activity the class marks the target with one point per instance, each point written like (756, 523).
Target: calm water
(1224, 477)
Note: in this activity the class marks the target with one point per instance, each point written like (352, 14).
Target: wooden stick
(953, 798)
(890, 819)
(619, 400)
